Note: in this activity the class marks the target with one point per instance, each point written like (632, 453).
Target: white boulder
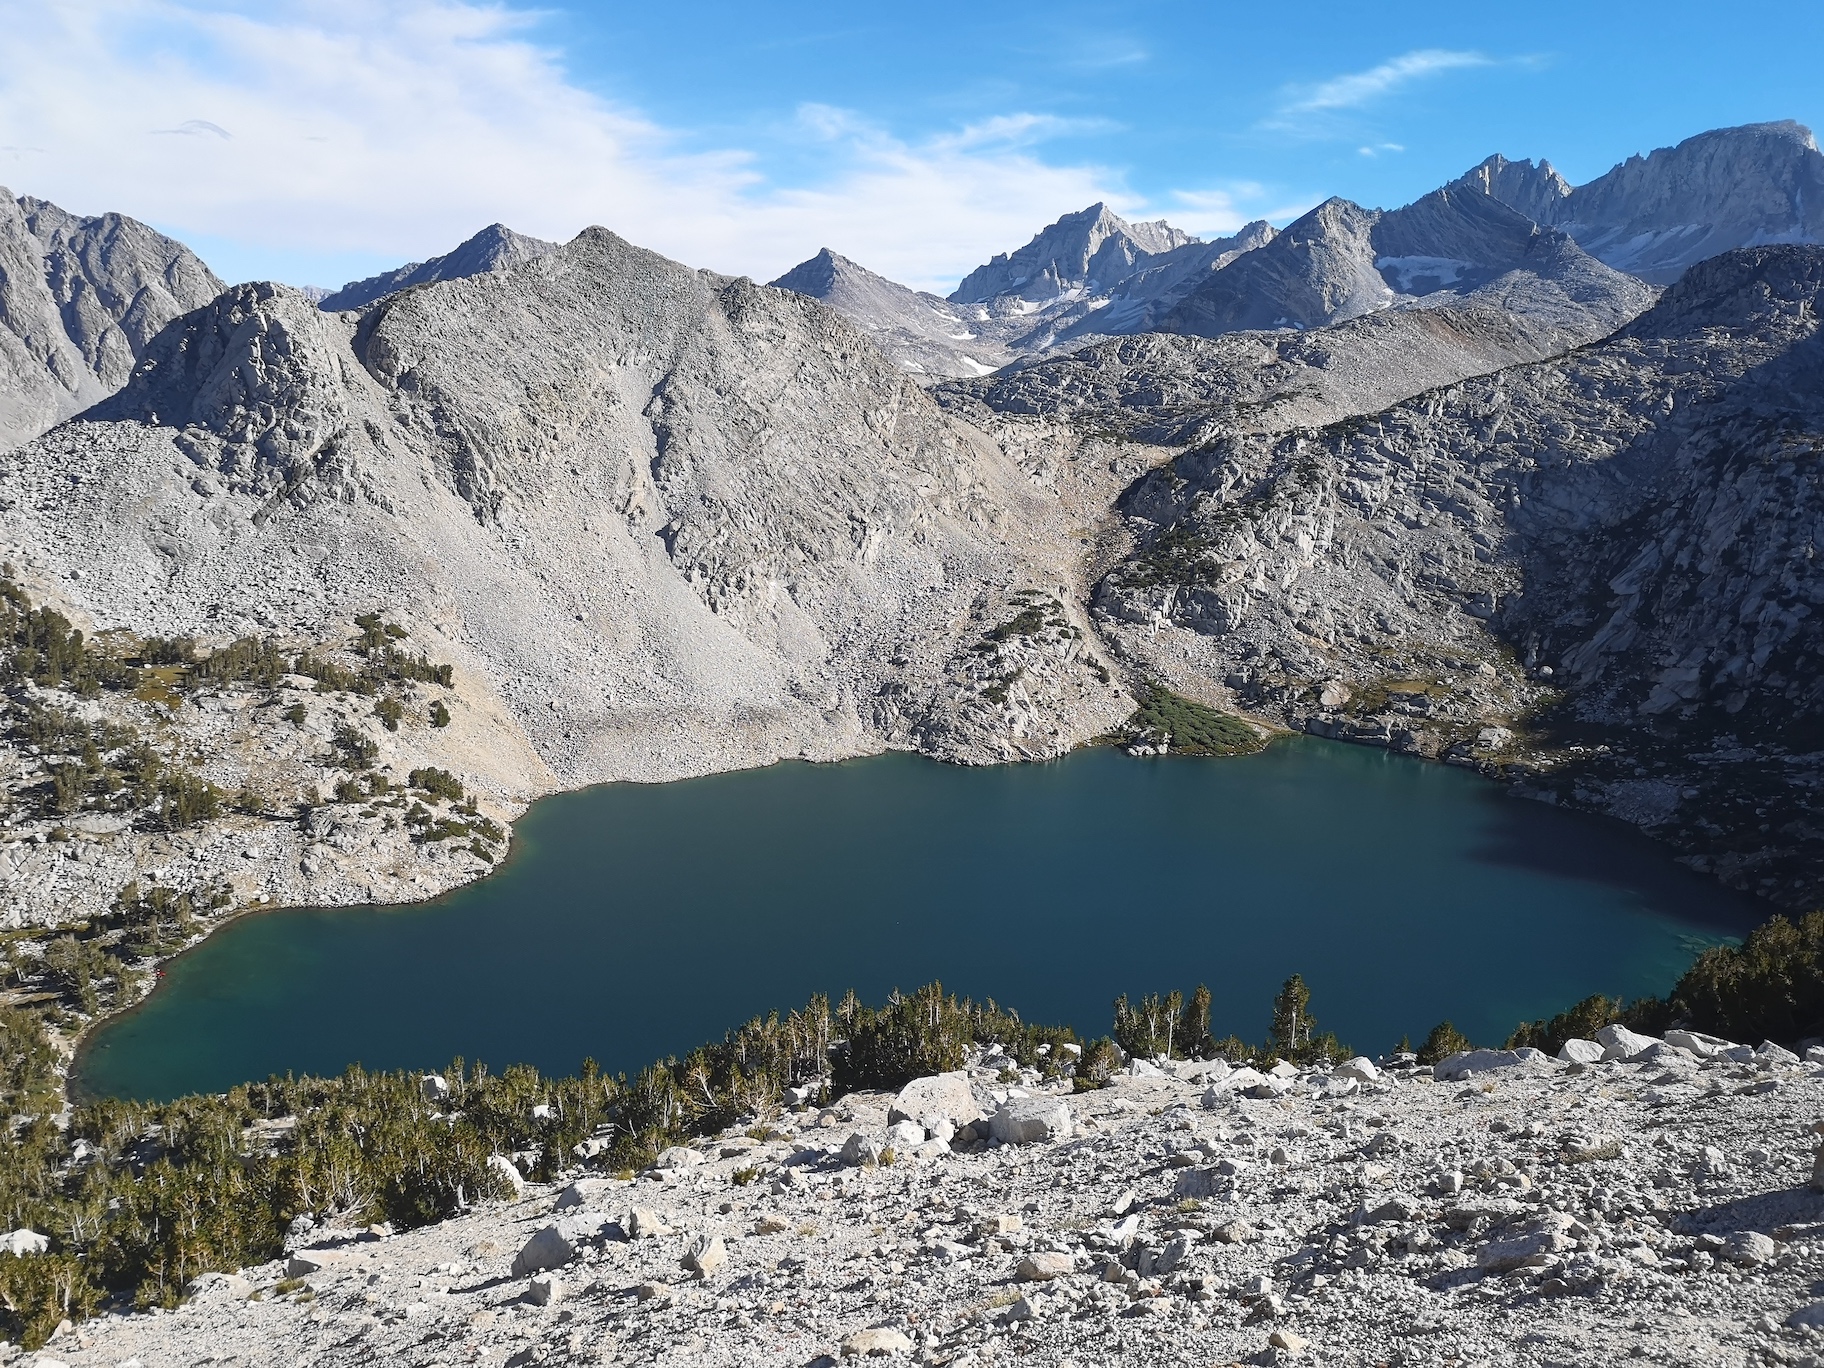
(1618, 1042)
(861, 1150)
(905, 1135)
(946, 1094)
(1580, 1052)
(500, 1164)
(20, 1242)
(1361, 1069)
(1031, 1120)
(706, 1254)
(1697, 1043)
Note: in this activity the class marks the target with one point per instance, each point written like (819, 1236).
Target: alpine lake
(633, 921)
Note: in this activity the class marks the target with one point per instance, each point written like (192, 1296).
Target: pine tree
(1293, 1024)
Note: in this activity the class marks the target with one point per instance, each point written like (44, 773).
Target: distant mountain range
(1092, 274)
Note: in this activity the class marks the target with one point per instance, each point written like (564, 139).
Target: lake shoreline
(1018, 788)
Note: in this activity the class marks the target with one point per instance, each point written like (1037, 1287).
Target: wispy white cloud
(1323, 107)
(394, 130)
(1376, 149)
(196, 128)
(1355, 89)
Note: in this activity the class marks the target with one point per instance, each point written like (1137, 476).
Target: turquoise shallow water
(634, 921)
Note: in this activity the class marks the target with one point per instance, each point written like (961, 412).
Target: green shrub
(1444, 1041)
(437, 782)
(440, 715)
(1580, 1022)
(184, 800)
(1165, 1026)
(352, 750)
(920, 1033)
(1194, 728)
(1771, 987)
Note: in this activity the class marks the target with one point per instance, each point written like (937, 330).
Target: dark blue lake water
(634, 921)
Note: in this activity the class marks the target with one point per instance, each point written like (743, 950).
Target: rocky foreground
(1499, 1208)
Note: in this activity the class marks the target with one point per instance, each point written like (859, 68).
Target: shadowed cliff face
(1622, 537)
(1658, 215)
(79, 300)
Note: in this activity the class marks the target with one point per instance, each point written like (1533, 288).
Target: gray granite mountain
(80, 298)
(1342, 261)
(495, 248)
(923, 333)
(662, 521)
(1089, 250)
(1654, 216)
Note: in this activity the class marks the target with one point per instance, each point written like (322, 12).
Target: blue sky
(316, 140)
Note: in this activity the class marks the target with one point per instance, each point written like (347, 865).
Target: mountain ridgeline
(1519, 476)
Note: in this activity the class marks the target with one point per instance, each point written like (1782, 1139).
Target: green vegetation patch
(1194, 728)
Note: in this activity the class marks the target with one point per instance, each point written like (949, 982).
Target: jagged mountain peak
(495, 248)
(818, 275)
(1091, 245)
(922, 333)
(1341, 260)
(1656, 215)
(1533, 188)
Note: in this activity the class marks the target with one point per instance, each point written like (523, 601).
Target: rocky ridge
(923, 333)
(1341, 261)
(1500, 1208)
(495, 248)
(1658, 215)
(1089, 274)
(1593, 569)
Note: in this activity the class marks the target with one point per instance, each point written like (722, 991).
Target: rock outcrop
(80, 299)
(923, 333)
(1342, 261)
(1088, 250)
(1087, 275)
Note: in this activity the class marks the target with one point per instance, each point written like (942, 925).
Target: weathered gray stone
(947, 1095)
(1580, 1052)
(705, 1256)
(1030, 1120)
(1044, 1265)
(861, 1150)
(1618, 1042)
(879, 1341)
(548, 1248)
